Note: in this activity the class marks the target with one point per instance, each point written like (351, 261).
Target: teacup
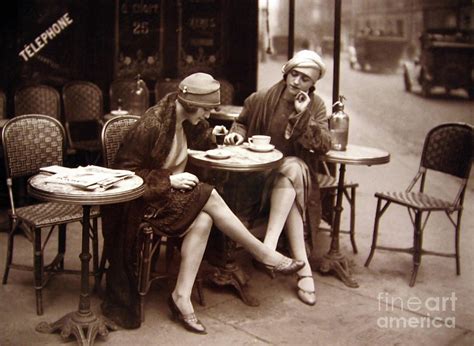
(260, 140)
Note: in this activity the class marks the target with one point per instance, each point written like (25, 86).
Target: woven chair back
(38, 99)
(30, 142)
(113, 134)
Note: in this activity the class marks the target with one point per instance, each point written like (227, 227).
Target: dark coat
(144, 151)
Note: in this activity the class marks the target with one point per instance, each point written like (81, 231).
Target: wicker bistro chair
(38, 99)
(328, 183)
(30, 142)
(83, 112)
(130, 95)
(150, 240)
(447, 150)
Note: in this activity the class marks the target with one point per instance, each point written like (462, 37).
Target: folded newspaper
(89, 177)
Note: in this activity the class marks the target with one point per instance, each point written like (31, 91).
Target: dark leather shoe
(189, 321)
(263, 268)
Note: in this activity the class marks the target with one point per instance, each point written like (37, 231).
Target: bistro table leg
(334, 261)
(83, 323)
(227, 271)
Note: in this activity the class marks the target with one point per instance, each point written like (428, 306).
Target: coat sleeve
(310, 128)
(242, 123)
(138, 153)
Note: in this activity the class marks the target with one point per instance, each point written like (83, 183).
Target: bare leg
(231, 226)
(192, 251)
(282, 200)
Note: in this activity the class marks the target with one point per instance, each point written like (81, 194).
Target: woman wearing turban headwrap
(296, 120)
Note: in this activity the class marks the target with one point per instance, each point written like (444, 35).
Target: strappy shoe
(286, 266)
(189, 321)
(307, 297)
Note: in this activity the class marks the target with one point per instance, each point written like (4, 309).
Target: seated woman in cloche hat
(175, 201)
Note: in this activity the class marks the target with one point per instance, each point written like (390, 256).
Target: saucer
(218, 154)
(261, 148)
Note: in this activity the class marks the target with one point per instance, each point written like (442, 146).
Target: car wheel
(406, 80)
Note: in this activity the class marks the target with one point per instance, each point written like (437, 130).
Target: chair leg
(417, 246)
(352, 220)
(62, 244)
(38, 271)
(200, 291)
(102, 265)
(10, 243)
(458, 230)
(376, 230)
(144, 267)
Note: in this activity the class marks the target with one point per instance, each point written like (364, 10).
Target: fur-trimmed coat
(144, 151)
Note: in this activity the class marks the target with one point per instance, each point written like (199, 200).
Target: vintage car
(446, 60)
(376, 53)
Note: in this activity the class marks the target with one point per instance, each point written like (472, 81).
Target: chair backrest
(3, 105)
(125, 89)
(83, 101)
(448, 149)
(38, 99)
(165, 86)
(112, 136)
(227, 92)
(30, 142)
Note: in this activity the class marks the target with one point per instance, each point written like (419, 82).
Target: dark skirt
(174, 217)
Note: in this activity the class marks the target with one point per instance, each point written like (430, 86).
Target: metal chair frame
(30, 142)
(447, 149)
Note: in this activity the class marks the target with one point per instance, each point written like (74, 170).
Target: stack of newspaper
(89, 177)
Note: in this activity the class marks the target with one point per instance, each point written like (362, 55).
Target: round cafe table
(241, 160)
(83, 323)
(334, 261)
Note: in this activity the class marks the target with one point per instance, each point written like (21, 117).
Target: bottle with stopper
(339, 126)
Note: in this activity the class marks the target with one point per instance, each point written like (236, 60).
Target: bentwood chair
(150, 240)
(38, 99)
(328, 184)
(447, 153)
(129, 94)
(83, 112)
(30, 142)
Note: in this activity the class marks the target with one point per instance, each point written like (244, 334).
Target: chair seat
(416, 200)
(51, 213)
(328, 182)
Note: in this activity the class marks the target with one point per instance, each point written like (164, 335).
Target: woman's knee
(203, 223)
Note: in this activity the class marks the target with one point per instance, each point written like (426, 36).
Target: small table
(83, 323)
(334, 261)
(242, 159)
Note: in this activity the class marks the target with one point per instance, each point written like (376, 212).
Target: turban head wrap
(307, 62)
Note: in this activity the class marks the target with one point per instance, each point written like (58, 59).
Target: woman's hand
(233, 139)
(184, 181)
(301, 101)
(219, 130)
